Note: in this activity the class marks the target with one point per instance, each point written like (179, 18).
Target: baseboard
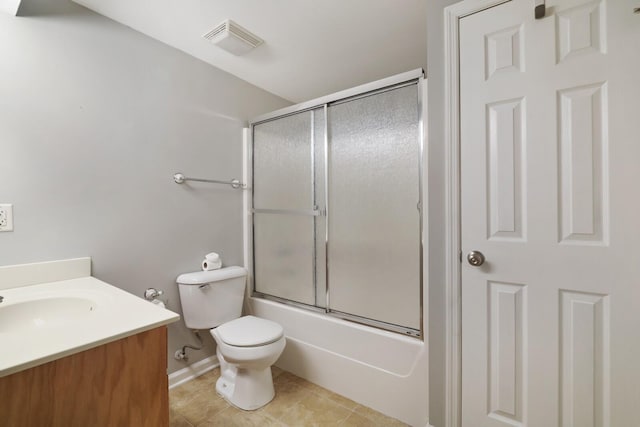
(192, 371)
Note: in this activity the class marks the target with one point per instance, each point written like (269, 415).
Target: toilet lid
(249, 331)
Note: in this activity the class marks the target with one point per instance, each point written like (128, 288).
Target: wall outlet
(6, 217)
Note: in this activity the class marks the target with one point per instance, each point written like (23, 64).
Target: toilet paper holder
(152, 293)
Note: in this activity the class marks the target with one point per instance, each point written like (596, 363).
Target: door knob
(475, 258)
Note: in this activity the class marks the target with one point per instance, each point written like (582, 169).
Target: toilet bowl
(246, 346)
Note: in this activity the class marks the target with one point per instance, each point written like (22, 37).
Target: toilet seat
(249, 331)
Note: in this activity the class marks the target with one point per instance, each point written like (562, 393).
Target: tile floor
(298, 403)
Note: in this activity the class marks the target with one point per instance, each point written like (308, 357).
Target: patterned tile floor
(298, 403)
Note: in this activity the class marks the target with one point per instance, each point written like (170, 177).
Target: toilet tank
(211, 298)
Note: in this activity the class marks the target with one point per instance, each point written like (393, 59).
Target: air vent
(233, 38)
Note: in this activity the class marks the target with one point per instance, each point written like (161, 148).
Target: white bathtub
(383, 370)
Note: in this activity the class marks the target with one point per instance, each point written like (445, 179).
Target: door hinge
(540, 9)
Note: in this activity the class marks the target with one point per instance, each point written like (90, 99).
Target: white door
(550, 194)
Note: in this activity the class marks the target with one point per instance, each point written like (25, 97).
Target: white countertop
(47, 321)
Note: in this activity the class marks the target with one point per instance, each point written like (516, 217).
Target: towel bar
(180, 179)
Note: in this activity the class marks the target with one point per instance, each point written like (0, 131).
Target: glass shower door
(284, 206)
(336, 207)
(373, 204)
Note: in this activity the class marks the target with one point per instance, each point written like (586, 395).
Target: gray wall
(94, 120)
(437, 302)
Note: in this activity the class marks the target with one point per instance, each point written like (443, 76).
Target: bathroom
(96, 117)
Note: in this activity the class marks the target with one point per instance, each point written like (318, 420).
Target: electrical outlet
(6, 217)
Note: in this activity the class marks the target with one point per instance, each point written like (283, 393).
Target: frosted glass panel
(283, 256)
(374, 229)
(282, 158)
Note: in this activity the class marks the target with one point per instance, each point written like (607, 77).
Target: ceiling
(312, 47)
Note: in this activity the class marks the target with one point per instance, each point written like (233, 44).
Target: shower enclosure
(337, 200)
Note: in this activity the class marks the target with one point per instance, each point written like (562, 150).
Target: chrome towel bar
(314, 212)
(180, 179)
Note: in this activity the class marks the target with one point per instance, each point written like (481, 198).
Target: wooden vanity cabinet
(121, 383)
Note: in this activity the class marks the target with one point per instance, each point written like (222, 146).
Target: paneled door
(550, 215)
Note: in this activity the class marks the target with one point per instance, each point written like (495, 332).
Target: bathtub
(383, 370)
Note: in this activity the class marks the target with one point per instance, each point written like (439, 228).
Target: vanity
(75, 351)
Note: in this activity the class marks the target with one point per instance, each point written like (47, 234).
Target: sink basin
(50, 310)
(44, 313)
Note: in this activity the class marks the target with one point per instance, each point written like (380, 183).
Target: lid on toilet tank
(202, 277)
(249, 331)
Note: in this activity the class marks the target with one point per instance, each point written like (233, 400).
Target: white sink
(44, 313)
(43, 322)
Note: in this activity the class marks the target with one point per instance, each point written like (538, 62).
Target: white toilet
(247, 346)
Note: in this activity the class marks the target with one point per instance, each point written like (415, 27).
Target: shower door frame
(380, 86)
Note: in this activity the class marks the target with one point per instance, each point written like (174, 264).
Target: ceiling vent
(233, 38)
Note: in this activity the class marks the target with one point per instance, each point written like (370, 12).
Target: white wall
(94, 120)
(9, 6)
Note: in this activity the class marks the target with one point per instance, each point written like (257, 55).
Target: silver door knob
(475, 258)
